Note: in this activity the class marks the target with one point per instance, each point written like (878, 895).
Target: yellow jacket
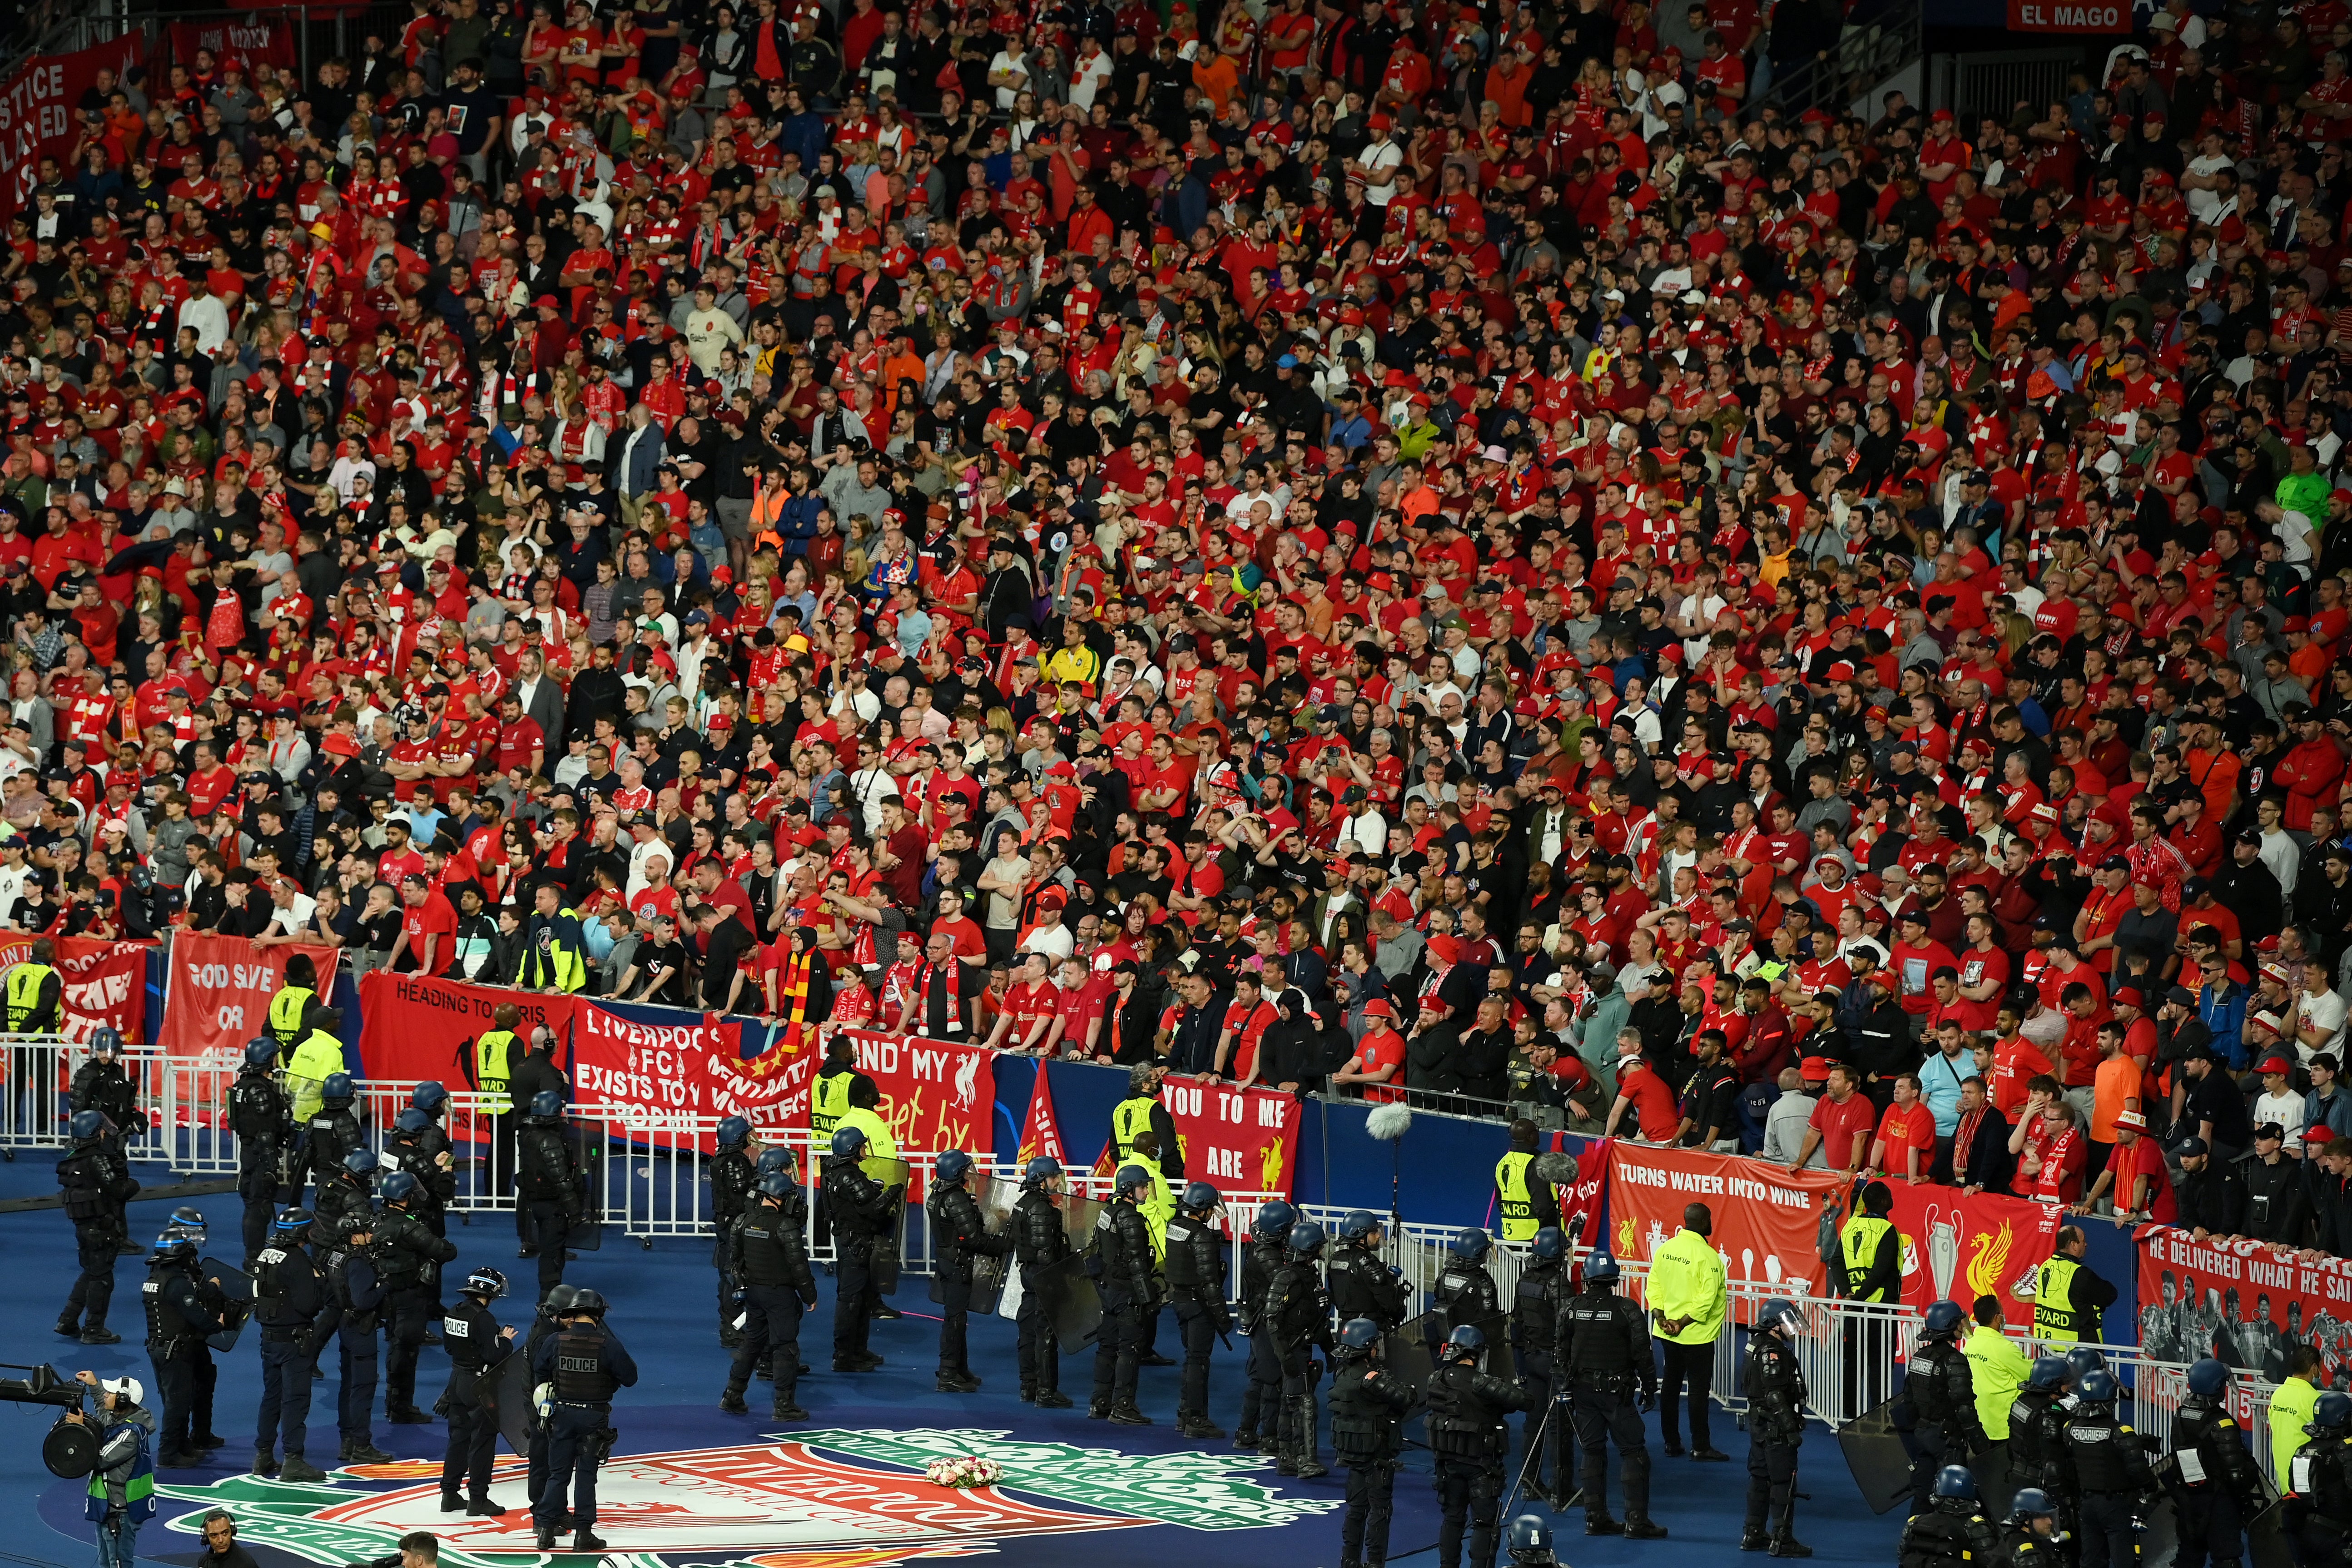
(880, 1144)
(1686, 1281)
(315, 1060)
(1997, 1370)
(2291, 1408)
(1159, 1208)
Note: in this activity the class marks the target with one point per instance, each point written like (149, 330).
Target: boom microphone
(1388, 1123)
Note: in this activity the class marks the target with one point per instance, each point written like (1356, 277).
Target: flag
(1041, 1133)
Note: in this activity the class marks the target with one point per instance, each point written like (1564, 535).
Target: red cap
(1380, 1007)
(2274, 1064)
(1815, 1067)
(1445, 949)
(2129, 996)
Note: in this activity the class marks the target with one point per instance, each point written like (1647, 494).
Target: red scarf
(953, 970)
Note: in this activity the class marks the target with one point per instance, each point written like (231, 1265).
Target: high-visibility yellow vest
(286, 1010)
(1858, 1243)
(829, 1103)
(1129, 1118)
(24, 995)
(1159, 1208)
(2055, 1315)
(2291, 1403)
(1518, 1204)
(319, 1055)
(494, 1060)
(880, 1144)
(1997, 1370)
(1687, 1282)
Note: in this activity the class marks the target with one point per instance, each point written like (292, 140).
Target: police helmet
(88, 1124)
(356, 1221)
(105, 1042)
(486, 1282)
(174, 1242)
(2331, 1414)
(1954, 1481)
(2081, 1359)
(2098, 1387)
(411, 1121)
(1549, 1244)
(1040, 1170)
(1463, 1343)
(429, 1096)
(360, 1163)
(2207, 1377)
(1306, 1237)
(1600, 1269)
(398, 1187)
(774, 1159)
(774, 1184)
(561, 1299)
(1944, 1317)
(2049, 1372)
(1470, 1244)
(953, 1165)
(1131, 1179)
(547, 1102)
(1360, 1224)
(337, 1089)
(1772, 1316)
(734, 1132)
(1529, 1534)
(1199, 1198)
(190, 1218)
(1360, 1334)
(2031, 1503)
(261, 1054)
(1274, 1220)
(293, 1221)
(847, 1141)
(590, 1302)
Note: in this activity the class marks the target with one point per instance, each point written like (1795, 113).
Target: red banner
(411, 1026)
(936, 1094)
(1236, 1139)
(1957, 1247)
(37, 111)
(659, 1077)
(102, 982)
(1766, 1219)
(1585, 1197)
(2243, 1301)
(217, 996)
(2098, 19)
(1041, 1130)
(770, 1089)
(249, 41)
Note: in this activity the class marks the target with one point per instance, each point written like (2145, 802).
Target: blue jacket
(2225, 1018)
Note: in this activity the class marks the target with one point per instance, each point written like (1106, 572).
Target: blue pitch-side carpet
(691, 1487)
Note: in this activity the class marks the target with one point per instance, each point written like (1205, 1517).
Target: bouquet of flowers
(969, 1471)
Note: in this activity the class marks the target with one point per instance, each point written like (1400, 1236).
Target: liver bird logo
(1989, 1260)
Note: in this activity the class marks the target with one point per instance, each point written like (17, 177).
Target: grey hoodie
(120, 1451)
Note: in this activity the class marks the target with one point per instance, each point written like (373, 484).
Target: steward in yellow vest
(1525, 1203)
(488, 1061)
(35, 992)
(291, 1010)
(319, 1058)
(1689, 1292)
(554, 953)
(2067, 1296)
(829, 1094)
(1870, 1249)
(1159, 1207)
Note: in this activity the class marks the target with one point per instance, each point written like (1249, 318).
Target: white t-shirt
(2323, 1012)
(2286, 1110)
(1381, 159)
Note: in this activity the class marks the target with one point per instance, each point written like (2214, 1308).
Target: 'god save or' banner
(216, 998)
(1766, 1218)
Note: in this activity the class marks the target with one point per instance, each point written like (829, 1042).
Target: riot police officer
(258, 1115)
(1297, 1319)
(477, 1342)
(1602, 1353)
(2318, 1483)
(333, 1133)
(2214, 1482)
(1469, 1438)
(1195, 1270)
(1940, 1383)
(958, 1235)
(1129, 1286)
(545, 1323)
(177, 1321)
(1951, 1532)
(2111, 1467)
(546, 1182)
(767, 1250)
(1536, 1301)
(1465, 1294)
(731, 1175)
(1368, 1412)
(1268, 1249)
(290, 1296)
(359, 1304)
(98, 1184)
(418, 1146)
(1530, 1542)
(403, 1248)
(1776, 1429)
(586, 1364)
(2031, 1538)
(1361, 1286)
(2029, 1448)
(861, 1208)
(350, 1188)
(1039, 1245)
(99, 1084)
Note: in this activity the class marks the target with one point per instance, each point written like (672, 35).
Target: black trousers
(286, 1363)
(473, 1439)
(1468, 1491)
(955, 1307)
(175, 1382)
(1364, 1528)
(854, 1294)
(403, 1331)
(1199, 1328)
(728, 1286)
(1296, 1432)
(2208, 1526)
(1931, 1450)
(549, 1224)
(1117, 1345)
(2108, 1538)
(1771, 1478)
(1262, 1399)
(1693, 1365)
(574, 1449)
(357, 1360)
(93, 1289)
(535, 1466)
(1603, 1417)
(1040, 1352)
(258, 1186)
(200, 1412)
(772, 1329)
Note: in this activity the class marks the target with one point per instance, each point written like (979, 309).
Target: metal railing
(35, 1110)
(1997, 83)
(1879, 39)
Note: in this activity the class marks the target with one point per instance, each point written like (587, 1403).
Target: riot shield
(2159, 1535)
(504, 1390)
(1874, 1453)
(586, 1235)
(995, 1199)
(1408, 1359)
(1079, 1218)
(2267, 1539)
(238, 1286)
(891, 1172)
(1077, 1306)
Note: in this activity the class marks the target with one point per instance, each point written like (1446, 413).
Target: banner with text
(2097, 19)
(412, 1025)
(248, 40)
(1041, 1130)
(39, 114)
(2243, 1301)
(770, 1088)
(936, 1094)
(1958, 1246)
(1766, 1219)
(1586, 1198)
(101, 983)
(1236, 1139)
(216, 998)
(654, 1080)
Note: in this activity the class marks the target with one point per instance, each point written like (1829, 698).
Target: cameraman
(221, 1550)
(125, 1468)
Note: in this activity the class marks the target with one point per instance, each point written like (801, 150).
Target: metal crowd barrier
(35, 1108)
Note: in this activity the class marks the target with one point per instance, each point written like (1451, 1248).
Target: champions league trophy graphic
(1943, 1257)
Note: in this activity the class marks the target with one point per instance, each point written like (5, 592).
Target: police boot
(1124, 1413)
(587, 1541)
(1601, 1525)
(207, 1441)
(1642, 1527)
(1197, 1426)
(733, 1403)
(484, 1507)
(1054, 1399)
(1098, 1410)
(1753, 1539)
(1246, 1440)
(366, 1453)
(545, 1540)
(99, 1334)
(1788, 1546)
(265, 1463)
(409, 1415)
(453, 1502)
(299, 1468)
(950, 1382)
(70, 1327)
(789, 1409)
(172, 1460)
